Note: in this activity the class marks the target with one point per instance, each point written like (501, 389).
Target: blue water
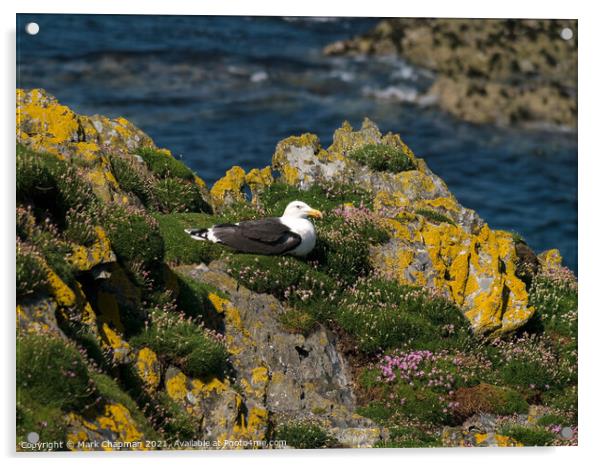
(220, 91)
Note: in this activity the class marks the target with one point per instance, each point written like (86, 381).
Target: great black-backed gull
(292, 233)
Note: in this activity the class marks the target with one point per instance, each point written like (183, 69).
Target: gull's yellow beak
(315, 213)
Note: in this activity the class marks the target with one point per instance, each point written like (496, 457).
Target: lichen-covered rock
(459, 257)
(282, 375)
(44, 125)
(113, 429)
(488, 71)
(84, 258)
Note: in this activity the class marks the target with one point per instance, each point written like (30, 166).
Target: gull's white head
(300, 209)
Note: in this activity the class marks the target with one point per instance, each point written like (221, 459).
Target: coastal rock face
(487, 71)
(456, 255)
(281, 376)
(179, 350)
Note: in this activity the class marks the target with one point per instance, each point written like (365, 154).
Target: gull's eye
(298, 207)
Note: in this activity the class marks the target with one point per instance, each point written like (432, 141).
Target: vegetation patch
(304, 435)
(382, 158)
(382, 315)
(529, 436)
(180, 248)
(486, 398)
(31, 277)
(410, 437)
(164, 165)
(185, 344)
(52, 185)
(134, 236)
(435, 216)
(289, 279)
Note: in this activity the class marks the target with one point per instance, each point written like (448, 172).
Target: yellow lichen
(84, 258)
(63, 295)
(259, 375)
(176, 387)
(223, 306)
(148, 368)
(229, 188)
(115, 424)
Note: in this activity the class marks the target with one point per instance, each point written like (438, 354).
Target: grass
(409, 437)
(52, 185)
(51, 372)
(324, 196)
(175, 195)
(180, 248)
(134, 236)
(175, 422)
(529, 436)
(382, 315)
(555, 301)
(382, 158)
(298, 321)
(30, 277)
(184, 344)
(289, 279)
(304, 435)
(435, 216)
(164, 165)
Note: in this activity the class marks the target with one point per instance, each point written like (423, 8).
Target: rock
(463, 259)
(282, 375)
(487, 71)
(47, 126)
(113, 429)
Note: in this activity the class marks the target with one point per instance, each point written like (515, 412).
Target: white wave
(399, 94)
(258, 76)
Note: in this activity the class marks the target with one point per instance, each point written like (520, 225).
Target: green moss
(48, 421)
(555, 302)
(174, 195)
(552, 419)
(176, 423)
(382, 315)
(164, 165)
(305, 435)
(529, 436)
(185, 344)
(52, 372)
(517, 237)
(409, 437)
(323, 196)
(132, 178)
(31, 277)
(180, 248)
(435, 216)
(298, 321)
(134, 236)
(382, 158)
(343, 247)
(51, 185)
(289, 279)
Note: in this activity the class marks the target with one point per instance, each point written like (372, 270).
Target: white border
(590, 200)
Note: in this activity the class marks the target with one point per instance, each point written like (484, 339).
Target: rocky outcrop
(101, 291)
(487, 71)
(282, 376)
(461, 257)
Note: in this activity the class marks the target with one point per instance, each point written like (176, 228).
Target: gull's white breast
(303, 228)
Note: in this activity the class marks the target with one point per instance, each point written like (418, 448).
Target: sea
(221, 91)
